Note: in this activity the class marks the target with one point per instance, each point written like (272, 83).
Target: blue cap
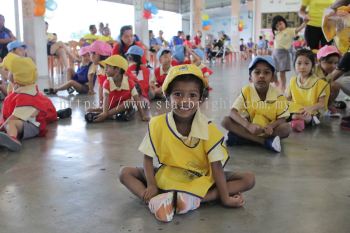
(161, 51)
(135, 50)
(199, 53)
(267, 59)
(15, 44)
(179, 53)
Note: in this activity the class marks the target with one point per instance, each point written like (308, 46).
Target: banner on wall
(280, 6)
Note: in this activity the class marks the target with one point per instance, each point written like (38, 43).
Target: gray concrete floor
(68, 182)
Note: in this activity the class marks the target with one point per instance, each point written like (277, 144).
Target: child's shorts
(29, 130)
(281, 58)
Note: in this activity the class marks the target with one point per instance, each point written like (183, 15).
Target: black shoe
(345, 119)
(339, 104)
(91, 116)
(49, 91)
(126, 115)
(70, 90)
(234, 140)
(64, 113)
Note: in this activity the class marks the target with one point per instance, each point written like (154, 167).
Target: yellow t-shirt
(105, 38)
(199, 130)
(261, 112)
(284, 39)
(89, 38)
(316, 9)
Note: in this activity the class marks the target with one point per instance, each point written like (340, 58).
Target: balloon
(206, 28)
(205, 23)
(205, 17)
(147, 6)
(51, 5)
(147, 14)
(39, 2)
(39, 10)
(154, 10)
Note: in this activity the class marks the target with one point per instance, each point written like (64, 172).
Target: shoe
(345, 119)
(9, 142)
(162, 206)
(126, 115)
(345, 125)
(186, 202)
(235, 140)
(273, 143)
(64, 113)
(70, 90)
(339, 104)
(297, 125)
(91, 116)
(49, 91)
(315, 120)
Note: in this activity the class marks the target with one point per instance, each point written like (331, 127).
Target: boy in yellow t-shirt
(259, 114)
(192, 156)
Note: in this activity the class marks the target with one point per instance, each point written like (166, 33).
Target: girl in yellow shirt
(307, 93)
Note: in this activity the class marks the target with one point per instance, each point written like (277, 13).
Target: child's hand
(101, 117)
(151, 191)
(235, 201)
(307, 111)
(268, 130)
(254, 129)
(91, 93)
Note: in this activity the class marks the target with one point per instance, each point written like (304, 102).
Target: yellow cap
(180, 70)
(6, 63)
(117, 61)
(24, 71)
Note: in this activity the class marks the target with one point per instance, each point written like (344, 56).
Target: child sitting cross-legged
(190, 150)
(259, 113)
(119, 92)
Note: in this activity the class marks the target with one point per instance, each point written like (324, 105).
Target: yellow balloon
(205, 17)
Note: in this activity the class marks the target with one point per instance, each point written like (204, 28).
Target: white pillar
(141, 24)
(257, 19)
(18, 31)
(235, 11)
(195, 16)
(35, 37)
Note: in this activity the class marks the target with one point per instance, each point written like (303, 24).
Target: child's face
(303, 66)
(261, 76)
(105, 32)
(128, 37)
(185, 99)
(280, 26)
(112, 71)
(95, 58)
(20, 51)
(329, 64)
(165, 59)
(86, 58)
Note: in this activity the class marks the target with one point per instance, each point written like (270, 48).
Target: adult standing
(312, 11)
(126, 40)
(6, 37)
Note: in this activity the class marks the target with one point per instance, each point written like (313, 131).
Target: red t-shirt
(47, 111)
(175, 62)
(159, 77)
(115, 50)
(142, 78)
(118, 97)
(197, 41)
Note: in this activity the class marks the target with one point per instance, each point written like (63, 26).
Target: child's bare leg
(282, 80)
(100, 95)
(14, 127)
(283, 130)
(134, 179)
(229, 124)
(77, 86)
(236, 183)
(335, 89)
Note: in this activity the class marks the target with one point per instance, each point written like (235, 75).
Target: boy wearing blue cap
(259, 113)
(157, 79)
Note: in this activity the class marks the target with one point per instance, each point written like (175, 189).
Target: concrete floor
(68, 182)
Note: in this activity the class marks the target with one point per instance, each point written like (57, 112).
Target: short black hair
(188, 37)
(92, 26)
(326, 58)
(185, 78)
(275, 21)
(124, 28)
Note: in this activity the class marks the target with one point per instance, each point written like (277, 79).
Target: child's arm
(91, 83)
(105, 107)
(303, 25)
(320, 104)
(221, 185)
(270, 127)
(252, 128)
(152, 189)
